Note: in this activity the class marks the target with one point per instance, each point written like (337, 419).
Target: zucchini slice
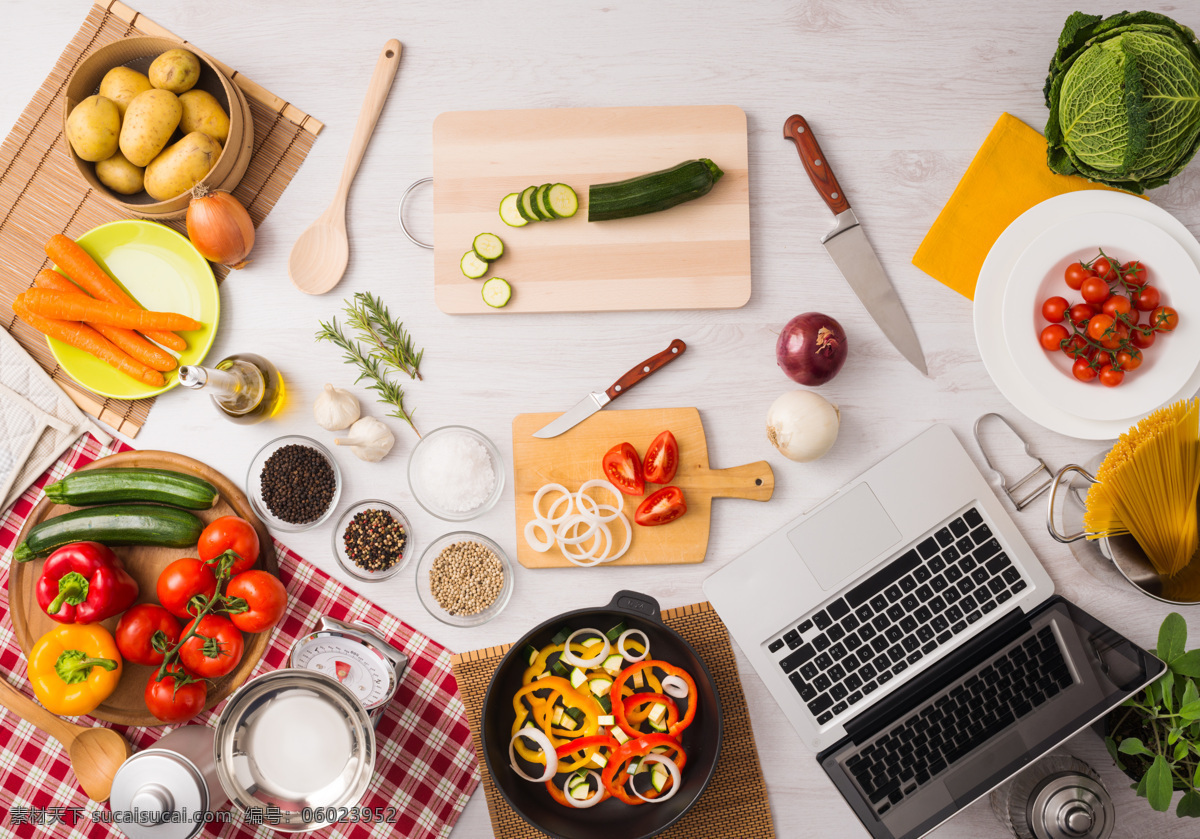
(472, 266)
(561, 636)
(620, 736)
(526, 206)
(543, 206)
(654, 192)
(488, 247)
(531, 654)
(510, 212)
(497, 292)
(578, 677)
(562, 200)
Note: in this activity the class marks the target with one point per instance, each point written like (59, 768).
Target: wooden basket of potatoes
(147, 119)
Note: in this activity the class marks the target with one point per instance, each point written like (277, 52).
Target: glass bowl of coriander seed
(464, 579)
(372, 540)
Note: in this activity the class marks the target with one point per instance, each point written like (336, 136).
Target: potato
(121, 85)
(175, 70)
(93, 128)
(182, 166)
(202, 112)
(150, 120)
(119, 175)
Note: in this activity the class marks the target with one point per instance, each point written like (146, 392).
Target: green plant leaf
(1191, 711)
(1181, 750)
(1190, 694)
(1134, 746)
(1172, 638)
(1188, 664)
(1159, 785)
(1196, 780)
(1173, 736)
(1189, 805)
(1140, 787)
(1167, 686)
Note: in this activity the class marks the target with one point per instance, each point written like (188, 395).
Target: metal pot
(701, 740)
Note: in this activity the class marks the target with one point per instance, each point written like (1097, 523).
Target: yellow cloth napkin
(1007, 177)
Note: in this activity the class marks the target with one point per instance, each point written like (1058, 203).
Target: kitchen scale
(358, 657)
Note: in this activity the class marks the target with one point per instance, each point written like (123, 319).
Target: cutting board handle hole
(758, 482)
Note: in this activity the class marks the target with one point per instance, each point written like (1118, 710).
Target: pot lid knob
(151, 803)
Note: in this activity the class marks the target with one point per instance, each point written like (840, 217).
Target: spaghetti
(1147, 487)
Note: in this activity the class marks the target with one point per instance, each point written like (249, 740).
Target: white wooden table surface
(901, 95)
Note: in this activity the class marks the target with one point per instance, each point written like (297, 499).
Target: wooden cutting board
(127, 706)
(693, 256)
(574, 457)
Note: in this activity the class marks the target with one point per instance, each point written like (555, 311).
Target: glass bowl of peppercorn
(464, 579)
(293, 483)
(372, 540)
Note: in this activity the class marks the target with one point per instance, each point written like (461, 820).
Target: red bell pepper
(619, 700)
(616, 774)
(84, 582)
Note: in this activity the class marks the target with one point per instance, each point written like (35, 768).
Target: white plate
(1038, 274)
(989, 297)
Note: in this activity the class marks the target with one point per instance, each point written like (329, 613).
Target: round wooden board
(126, 706)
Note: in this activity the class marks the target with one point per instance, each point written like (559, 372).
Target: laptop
(915, 642)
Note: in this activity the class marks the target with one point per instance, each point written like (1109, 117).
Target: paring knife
(593, 402)
(847, 245)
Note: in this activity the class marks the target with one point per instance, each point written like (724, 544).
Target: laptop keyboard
(917, 748)
(902, 613)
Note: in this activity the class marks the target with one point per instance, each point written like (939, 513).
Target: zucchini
(620, 736)
(658, 713)
(497, 292)
(578, 677)
(118, 524)
(560, 669)
(541, 204)
(658, 777)
(658, 726)
(615, 633)
(599, 760)
(531, 654)
(605, 703)
(600, 686)
(576, 714)
(526, 206)
(653, 192)
(472, 266)
(510, 212)
(123, 486)
(606, 719)
(556, 718)
(488, 247)
(567, 724)
(614, 664)
(562, 201)
(561, 636)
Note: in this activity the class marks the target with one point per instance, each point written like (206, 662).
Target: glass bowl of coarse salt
(455, 473)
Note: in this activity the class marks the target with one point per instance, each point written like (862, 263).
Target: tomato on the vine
(1076, 347)
(1080, 314)
(1100, 326)
(1053, 310)
(176, 697)
(1054, 336)
(1102, 267)
(1118, 304)
(1129, 359)
(1094, 290)
(1076, 273)
(137, 628)
(216, 648)
(1164, 319)
(1110, 376)
(1146, 298)
(182, 580)
(1083, 370)
(265, 596)
(1141, 339)
(229, 533)
(1134, 273)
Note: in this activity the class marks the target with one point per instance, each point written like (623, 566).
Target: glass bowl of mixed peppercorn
(293, 483)
(373, 540)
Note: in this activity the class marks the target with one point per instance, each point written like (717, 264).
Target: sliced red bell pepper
(616, 773)
(586, 747)
(632, 703)
(84, 582)
(619, 700)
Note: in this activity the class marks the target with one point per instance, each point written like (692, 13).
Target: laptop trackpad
(849, 532)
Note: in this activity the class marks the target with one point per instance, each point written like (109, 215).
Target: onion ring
(587, 802)
(674, 686)
(541, 493)
(629, 656)
(538, 736)
(569, 524)
(570, 658)
(537, 544)
(675, 778)
(628, 532)
(608, 485)
(592, 556)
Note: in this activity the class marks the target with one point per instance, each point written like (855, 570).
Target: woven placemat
(41, 193)
(735, 804)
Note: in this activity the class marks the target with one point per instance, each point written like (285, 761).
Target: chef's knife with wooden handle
(847, 245)
(593, 402)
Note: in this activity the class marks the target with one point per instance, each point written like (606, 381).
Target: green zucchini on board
(510, 210)
(122, 486)
(653, 192)
(488, 247)
(472, 266)
(118, 524)
(538, 203)
(497, 292)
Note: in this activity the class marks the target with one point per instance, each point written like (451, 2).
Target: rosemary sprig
(387, 338)
(370, 368)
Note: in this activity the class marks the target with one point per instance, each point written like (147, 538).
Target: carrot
(89, 340)
(128, 340)
(55, 304)
(80, 267)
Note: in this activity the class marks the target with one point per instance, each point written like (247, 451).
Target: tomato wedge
(663, 506)
(662, 459)
(623, 467)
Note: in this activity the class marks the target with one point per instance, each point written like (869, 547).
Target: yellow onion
(220, 227)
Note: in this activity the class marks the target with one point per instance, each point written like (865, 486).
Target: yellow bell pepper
(74, 667)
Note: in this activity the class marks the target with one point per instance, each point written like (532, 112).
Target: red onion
(811, 349)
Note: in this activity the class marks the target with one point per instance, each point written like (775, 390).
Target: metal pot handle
(1060, 537)
(403, 226)
(634, 601)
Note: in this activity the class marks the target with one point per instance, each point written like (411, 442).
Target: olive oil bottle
(246, 388)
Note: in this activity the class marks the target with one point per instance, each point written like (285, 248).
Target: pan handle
(634, 601)
(1065, 538)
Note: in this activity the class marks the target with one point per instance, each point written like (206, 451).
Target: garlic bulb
(369, 439)
(335, 408)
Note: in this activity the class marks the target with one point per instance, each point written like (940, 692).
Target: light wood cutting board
(574, 457)
(693, 256)
(127, 705)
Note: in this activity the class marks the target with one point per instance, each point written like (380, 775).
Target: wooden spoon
(320, 255)
(96, 753)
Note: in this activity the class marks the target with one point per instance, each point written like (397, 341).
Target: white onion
(541, 493)
(803, 425)
(570, 658)
(675, 778)
(628, 534)
(593, 556)
(587, 802)
(629, 656)
(537, 544)
(538, 736)
(597, 483)
(674, 686)
(569, 524)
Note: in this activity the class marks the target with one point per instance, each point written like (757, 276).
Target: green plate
(163, 272)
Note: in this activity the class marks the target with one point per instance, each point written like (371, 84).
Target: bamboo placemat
(735, 804)
(41, 193)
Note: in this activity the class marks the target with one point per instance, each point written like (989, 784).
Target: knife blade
(594, 401)
(851, 252)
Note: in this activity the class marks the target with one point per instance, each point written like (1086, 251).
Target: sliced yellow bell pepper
(74, 667)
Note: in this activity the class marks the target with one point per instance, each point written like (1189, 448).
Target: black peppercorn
(297, 483)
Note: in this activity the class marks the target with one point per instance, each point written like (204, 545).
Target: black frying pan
(612, 818)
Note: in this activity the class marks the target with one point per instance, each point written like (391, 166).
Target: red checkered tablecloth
(425, 768)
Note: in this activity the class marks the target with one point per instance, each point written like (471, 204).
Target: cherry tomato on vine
(1080, 314)
(1055, 309)
(1118, 304)
(1094, 290)
(1129, 359)
(1140, 339)
(172, 703)
(1134, 273)
(229, 533)
(1083, 370)
(182, 580)
(136, 630)
(215, 650)
(1164, 319)
(1076, 273)
(1054, 336)
(1111, 377)
(1102, 267)
(1099, 327)
(265, 596)
(1076, 347)
(1147, 298)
